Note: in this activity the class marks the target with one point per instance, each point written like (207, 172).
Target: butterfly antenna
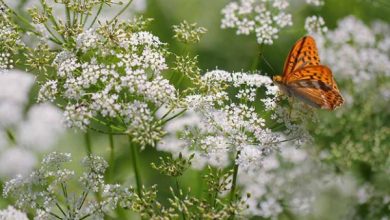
(268, 64)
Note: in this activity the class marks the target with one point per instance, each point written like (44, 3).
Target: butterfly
(306, 79)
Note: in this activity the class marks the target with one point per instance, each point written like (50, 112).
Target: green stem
(11, 136)
(112, 155)
(235, 171)
(257, 59)
(52, 19)
(180, 195)
(121, 11)
(88, 144)
(96, 16)
(68, 20)
(200, 183)
(174, 116)
(135, 167)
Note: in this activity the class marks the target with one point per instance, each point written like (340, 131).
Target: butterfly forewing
(304, 53)
(320, 74)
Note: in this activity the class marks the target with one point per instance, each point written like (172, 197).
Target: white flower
(42, 127)
(315, 25)
(15, 85)
(315, 2)
(292, 154)
(66, 63)
(6, 61)
(14, 90)
(48, 91)
(12, 214)
(10, 114)
(257, 16)
(270, 208)
(15, 161)
(250, 158)
(353, 52)
(77, 115)
(87, 40)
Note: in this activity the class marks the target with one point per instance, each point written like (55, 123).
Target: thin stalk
(106, 132)
(179, 194)
(112, 155)
(135, 167)
(52, 34)
(96, 16)
(27, 23)
(11, 136)
(174, 116)
(52, 19)
(68, 20)
(235, 171)
(85, 20)
(200, 183)
(121, 11)
(59, 207)
(88, 144)
(65, 192)
(257, 59)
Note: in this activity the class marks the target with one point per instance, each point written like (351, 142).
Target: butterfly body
(306, 79)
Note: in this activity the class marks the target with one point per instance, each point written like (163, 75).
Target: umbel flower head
(265, 19)
(113, 76)
(24, 130)
(217, 127)
(45, 193)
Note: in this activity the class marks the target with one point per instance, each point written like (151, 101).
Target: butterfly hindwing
(318, 98)
(315, 86)
(304, 53)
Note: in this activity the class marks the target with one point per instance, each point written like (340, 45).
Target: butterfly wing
(318, 98)
(304, 53)
(315, 86)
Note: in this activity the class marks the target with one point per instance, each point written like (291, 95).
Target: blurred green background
(223, 49)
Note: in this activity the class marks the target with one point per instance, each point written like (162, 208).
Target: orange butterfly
(305, 78)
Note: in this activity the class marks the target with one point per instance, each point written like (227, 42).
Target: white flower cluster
(294, 181)
(45, 190)
(23, 134)
(315, 2)
(12, 214)
(357, 52)
(112, 84)
(217, 127)
(9, 39)
(315, 25)
(289, 181)
(264, 18)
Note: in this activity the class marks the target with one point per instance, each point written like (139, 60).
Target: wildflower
(41, 128)
(315, 2)
(188, 33)
(24, 131)
(259, 17)
(315, 24)
(123, 82)
(223, 127)
(15, 161)
(353, 51)
(45, 190)
(12, 214)
(14, 88)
